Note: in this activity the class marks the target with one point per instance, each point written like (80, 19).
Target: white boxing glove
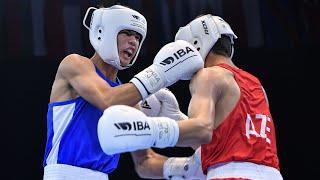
(150, 106)
(175, 61)
(184, 167)
(177, 178)
(162, 104)
(123, 128)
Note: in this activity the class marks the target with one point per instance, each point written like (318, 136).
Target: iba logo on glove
(179, 54)
(136, 126)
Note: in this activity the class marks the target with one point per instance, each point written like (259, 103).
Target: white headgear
(204, 31)
(105, 25)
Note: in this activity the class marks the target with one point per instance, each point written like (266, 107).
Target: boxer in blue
(84, 87)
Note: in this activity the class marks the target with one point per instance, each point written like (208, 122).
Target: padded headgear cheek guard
(204, 31)
(105, 25)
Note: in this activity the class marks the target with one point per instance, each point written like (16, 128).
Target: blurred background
(278, 42)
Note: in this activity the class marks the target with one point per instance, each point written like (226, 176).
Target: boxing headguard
(204, 31)
(105, 25)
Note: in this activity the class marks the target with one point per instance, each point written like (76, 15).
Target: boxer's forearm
(152, 168)
(149, 164)
(193, 133)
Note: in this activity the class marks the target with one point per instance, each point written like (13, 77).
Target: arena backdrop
(278, 42)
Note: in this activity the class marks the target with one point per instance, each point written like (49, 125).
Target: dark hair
(223, 46)
(108, 3)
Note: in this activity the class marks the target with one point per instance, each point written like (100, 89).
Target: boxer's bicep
(85, 81)
(198, 128)
(93, 89)
(81, 75)
(201, 109)
(204, 94)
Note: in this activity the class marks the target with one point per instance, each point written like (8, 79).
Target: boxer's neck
(109, 71)
(215, 59)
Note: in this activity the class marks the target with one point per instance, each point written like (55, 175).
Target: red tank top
(247, 134)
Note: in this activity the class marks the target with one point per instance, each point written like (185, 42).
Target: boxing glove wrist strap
(167, 132)
(148, 81)
(141, 88)
(174, 166)
(183, 116)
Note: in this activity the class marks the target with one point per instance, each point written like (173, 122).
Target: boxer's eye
(131, 33)
(126, 32)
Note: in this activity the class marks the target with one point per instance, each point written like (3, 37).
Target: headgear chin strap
(204, 31)
(105, 25)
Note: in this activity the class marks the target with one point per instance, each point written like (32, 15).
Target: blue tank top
(72, 135)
